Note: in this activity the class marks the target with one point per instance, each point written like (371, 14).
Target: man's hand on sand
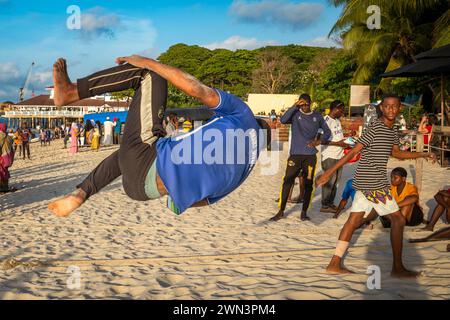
(135, 60)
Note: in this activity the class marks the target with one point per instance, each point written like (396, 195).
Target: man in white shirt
(332, 152)
(109, 134)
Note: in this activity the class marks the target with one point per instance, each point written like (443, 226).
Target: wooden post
(442, 100)
(419, 162)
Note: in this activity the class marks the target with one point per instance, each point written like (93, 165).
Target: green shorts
(151, 186)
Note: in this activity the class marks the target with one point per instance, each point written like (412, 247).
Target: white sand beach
(131, 250)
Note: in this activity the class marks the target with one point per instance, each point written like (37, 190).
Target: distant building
(265, 103)
(41, 110)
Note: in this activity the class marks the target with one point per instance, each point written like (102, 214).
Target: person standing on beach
(377, 144)
(89, 130)
(172, 125)
(74, 134)
(109, 132)
(42, 137)
(6, 158)
(99, 125)
(66, 136)
(17, 142)
(95, 142)
(303, 159)
(332, 152)
(81, 134)
(147, 161)
(25, 137)
(117, 130)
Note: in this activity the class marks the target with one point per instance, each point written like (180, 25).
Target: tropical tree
(274, 74)
(121, 95)
(408, 27)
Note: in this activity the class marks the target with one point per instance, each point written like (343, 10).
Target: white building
(41, 110)
(265, 103)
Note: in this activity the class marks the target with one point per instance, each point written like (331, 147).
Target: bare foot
(65, 92)
(405, 274)
(64, 207)
(332, 269)
(367, 226)
(278, 216)
(304, 217)
(429, 229)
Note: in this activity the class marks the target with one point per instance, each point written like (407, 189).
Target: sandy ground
(122, 249)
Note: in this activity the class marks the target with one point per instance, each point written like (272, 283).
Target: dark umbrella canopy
(432, 62)
(441, 52)
(422, 67)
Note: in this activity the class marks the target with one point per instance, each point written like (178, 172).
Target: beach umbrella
(432, 62)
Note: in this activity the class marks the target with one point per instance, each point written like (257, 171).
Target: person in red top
(426, 128)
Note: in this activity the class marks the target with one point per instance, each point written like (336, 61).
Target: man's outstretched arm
(322, 179)
(180, 79)
(399, 154)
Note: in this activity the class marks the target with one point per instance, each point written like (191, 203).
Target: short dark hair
(390, 95)
(305, 97)
(401, 172)
(336, 104)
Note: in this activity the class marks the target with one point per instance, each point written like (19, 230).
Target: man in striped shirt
(377, 144)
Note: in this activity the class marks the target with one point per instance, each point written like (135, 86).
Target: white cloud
(288, 14)
(237, 42)
(10, 79)
(95, 24)
(131, 36)
(324, 42)
(42, 77)
(9, 70)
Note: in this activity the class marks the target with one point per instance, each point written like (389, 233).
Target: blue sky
(37, 31)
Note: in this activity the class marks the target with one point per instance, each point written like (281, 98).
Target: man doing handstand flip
(152, 166)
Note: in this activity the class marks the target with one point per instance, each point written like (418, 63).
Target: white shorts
(381, 201)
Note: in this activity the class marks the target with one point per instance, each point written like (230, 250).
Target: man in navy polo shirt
(307, 126)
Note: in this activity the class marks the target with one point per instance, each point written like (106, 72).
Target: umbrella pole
(442, 100)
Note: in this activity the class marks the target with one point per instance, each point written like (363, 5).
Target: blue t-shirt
(118, 127)
(211, 161)
(349, 191)
(304, 130)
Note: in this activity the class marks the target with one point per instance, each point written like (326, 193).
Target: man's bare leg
(406, 212)
(437, 213)
(65, 92)
(353, 223)
(397, 227)
(64, 207)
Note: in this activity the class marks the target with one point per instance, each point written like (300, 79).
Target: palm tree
(408, 27)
